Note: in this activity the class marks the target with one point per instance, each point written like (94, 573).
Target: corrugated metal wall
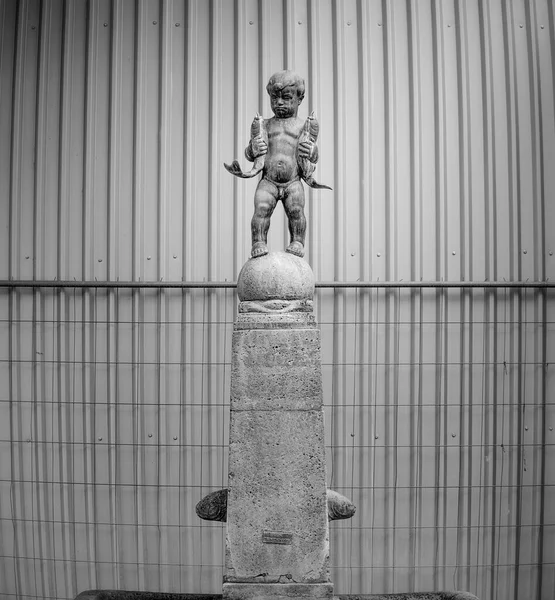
(438, 137)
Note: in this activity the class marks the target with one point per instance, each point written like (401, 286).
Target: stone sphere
(276, 276)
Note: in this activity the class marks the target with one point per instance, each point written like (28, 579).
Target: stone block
(276, 369)
(277, 510)
(277, 591)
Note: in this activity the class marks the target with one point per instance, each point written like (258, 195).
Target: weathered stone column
(277, 543)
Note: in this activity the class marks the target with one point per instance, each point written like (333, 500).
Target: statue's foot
(259, 249)
(295, 248)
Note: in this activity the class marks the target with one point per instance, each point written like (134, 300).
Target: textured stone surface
(276, 369)
(276, 306)
(277, 520)
(213, 507)
(277, 485)
(125, 595)
(277, 591)
(412, 596)
(275, 276)
(339, 507)
(232, 591)
(290, 320)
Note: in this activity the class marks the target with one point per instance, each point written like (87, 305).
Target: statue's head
(286, 91)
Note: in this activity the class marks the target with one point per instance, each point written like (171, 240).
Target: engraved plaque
(277, 537)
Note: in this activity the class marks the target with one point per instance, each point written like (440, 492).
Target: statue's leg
(265, 200)
(294, 209)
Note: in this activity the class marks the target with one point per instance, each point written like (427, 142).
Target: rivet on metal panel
(543, 26)
(525, 251)
(150, 435)
(300, 22)
(550, 253)
(177, 24)
(378, 254)
(251, 22)
(148, 257)
(175, 437)
(99, 260)
(33, 27)
(155, 22)
(105, 24)
(27, 258)
(521, 25)
(454, 253)
(551, 429)
(99, 439)
(376, 437)
(28, 440)
(379, 24)
(449, 25)
(352, 253)
(454, 435)
(526, 429)
(349, 23)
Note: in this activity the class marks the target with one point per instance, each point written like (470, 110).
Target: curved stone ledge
(276, 306)
(129, 595)
(125, 595)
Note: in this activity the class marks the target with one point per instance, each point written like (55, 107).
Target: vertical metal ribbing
(10, 31)
(240, 220)
(415, 123)
(339, 381)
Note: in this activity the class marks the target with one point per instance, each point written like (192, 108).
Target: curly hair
(283, 79)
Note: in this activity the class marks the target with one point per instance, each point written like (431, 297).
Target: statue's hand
(307, 150)
(259, 146)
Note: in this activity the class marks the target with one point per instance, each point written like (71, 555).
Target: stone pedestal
(277, 542)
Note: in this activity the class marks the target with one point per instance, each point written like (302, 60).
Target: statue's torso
(280, 162)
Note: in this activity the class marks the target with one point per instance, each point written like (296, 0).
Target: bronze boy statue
(284, 149)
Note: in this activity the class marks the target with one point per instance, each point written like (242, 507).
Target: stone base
(250, 591)
(132, 595)
(277, 591)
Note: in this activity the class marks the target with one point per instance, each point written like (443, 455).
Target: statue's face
(284, 102)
